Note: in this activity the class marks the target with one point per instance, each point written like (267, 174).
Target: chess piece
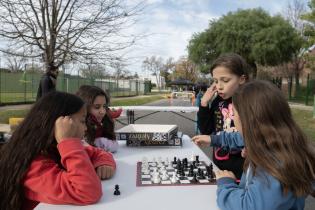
(174, 178)
(191, 172)
(156, 178)
(167, 162)
(197, 159)
(194, 179)
(174, 161)
(192, 157)
(116, 192)
(164, 176)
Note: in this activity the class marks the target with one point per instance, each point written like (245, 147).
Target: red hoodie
(77, 184)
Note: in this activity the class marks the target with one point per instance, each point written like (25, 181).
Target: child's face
(98, 108)
(79, 119)
(226, 82)
(237, 121)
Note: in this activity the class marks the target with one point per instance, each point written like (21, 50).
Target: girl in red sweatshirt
(45, 161)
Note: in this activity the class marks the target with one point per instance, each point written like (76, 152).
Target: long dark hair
(234, 62)
(34, 136)
(273, 140)
(88, 93)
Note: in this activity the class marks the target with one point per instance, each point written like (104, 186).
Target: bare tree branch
(60, 31)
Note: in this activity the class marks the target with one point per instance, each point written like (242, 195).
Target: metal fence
(21, 87)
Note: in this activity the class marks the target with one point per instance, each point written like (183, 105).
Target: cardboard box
(149, 135)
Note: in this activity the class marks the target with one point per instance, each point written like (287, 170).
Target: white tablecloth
(201, 197)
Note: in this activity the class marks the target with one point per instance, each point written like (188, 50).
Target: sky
(171, 24)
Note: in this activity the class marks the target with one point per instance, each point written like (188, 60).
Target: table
(130, 111)
(5, 128)
(201, 197)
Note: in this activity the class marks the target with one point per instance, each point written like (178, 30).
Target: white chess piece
(156, 178)
(192, 157)
(167, 162)
(174, 178)
(164, 176)
(144, 160)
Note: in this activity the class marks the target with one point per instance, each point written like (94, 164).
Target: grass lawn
(135, 101)
(6, 114)
(306, 122)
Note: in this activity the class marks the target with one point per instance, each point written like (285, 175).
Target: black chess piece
(194, 164)
(208, 171)
(182, 172)
(194, 179)
(174, 161)
(197, 159)
(116, 192)
(199, 172)
(179, 162)
(202, 175)
(191, 172)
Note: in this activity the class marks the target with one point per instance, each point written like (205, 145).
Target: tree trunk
(297, 83)
(253, 69)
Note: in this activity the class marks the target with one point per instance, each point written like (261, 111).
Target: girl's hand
(105, 172)
(202, 140)
(224, 173)
(65, 127)
(208, 95)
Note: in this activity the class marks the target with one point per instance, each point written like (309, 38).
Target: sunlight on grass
(306, 122)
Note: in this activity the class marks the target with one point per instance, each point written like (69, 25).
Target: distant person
(47, 83)
(46, 161)
(280, 162)
(99, 119)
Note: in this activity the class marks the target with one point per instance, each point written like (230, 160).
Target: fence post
(307, 89)
(0, 81)
(290, 87)
(24, 77)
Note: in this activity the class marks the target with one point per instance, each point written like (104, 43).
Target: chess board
(148, 171)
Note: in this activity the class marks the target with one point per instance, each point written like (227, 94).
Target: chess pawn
(174, 178)
(167, 162)
(192, 157)
(156, 179)
(144, 160)
(116, 192)
(164, 176)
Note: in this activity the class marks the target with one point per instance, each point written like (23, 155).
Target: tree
(93, 71)
(59, 31)
(120, 70)
(294, 11)
(253, 33)
(185, 69)
(168, 68)
(15, 63)
(309, 33)
(309, 28)
(155, 66)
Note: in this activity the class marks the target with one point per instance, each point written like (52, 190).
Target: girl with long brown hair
(45, 160)
(100, 125)
(279, 167)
